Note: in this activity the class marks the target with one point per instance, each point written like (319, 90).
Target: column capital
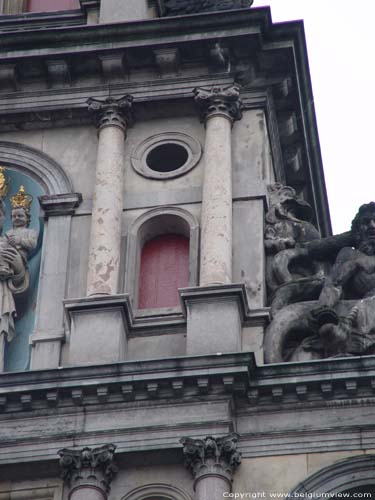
(111, 112)
(215, 100)
(212, 456)
(88, 467)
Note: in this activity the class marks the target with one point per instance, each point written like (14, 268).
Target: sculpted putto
(340, 319)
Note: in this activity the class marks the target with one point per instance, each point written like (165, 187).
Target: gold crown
(21, 199)
(4, 183)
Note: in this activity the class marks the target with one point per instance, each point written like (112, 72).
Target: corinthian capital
(88, 466)
(111, 112)
(211, 454)
(219, 100)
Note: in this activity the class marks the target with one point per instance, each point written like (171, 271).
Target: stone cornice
(125, 381)
(60, 204)
(245, 36)
(333, 380)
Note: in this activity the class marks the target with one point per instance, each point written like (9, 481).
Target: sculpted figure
(342, 321)
(14, 277)
(290, 273)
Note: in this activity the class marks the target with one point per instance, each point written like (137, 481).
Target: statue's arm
(327, 248)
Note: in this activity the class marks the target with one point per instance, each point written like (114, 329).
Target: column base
(98, 329)
(214, 318)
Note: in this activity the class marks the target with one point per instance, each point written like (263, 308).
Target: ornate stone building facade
(177, 321)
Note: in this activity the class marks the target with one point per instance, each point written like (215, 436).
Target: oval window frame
(141, 152)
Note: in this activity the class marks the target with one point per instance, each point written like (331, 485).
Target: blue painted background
(17, 352)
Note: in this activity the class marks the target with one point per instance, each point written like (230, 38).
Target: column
(220, 107)
(112, 117)
(212, 462)
(88, 472)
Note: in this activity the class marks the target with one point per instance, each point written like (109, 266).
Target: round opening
(167, 157)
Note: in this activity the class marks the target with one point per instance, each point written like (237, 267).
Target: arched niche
(37, 165)
(157, 492)
(151, 224)
(348, 475)
(42, 177)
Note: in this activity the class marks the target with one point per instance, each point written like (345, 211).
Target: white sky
(341, 46)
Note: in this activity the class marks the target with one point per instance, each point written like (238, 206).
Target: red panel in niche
(164, 269)
(50, 5)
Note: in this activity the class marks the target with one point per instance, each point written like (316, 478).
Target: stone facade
(128, 121)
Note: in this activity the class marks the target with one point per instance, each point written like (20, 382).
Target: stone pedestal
(219, 108)
(214, 318)
(98, 329)
(212, 462)
(112, 117)
(49, 329)
(88, 472)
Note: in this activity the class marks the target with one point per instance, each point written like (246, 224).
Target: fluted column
(112, 117)
(212, 462)
(220, 107)
(88, 472)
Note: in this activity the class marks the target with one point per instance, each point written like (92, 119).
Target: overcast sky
(341, 41)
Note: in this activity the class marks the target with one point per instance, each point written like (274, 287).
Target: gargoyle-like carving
(291, 273)
(181, 7)
(201, 454)
(91, 464)
(341, 322)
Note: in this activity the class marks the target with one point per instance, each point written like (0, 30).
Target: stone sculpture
(291, 274)
(183, 7)
(14, 248)
(340, 320)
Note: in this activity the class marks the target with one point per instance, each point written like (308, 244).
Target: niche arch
(157, 492)
(32, 167)
(356, 473)
(37, 165)
(151, 224)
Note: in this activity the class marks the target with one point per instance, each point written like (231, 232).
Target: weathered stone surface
(342, 321)
(87, 469)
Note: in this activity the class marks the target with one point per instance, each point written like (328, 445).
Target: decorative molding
(212, 456)
(60, 204)
(88, 467)
(48, 173)
(111, 112)
(224, 101)
(190, 144)
(165, 491)
(339, 477)
(127, 381)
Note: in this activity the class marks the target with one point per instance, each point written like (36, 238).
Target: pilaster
(49, 329)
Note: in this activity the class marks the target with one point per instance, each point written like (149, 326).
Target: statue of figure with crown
(15, 247)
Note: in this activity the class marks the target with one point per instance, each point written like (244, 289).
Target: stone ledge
(118, 382)
(236, 291)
